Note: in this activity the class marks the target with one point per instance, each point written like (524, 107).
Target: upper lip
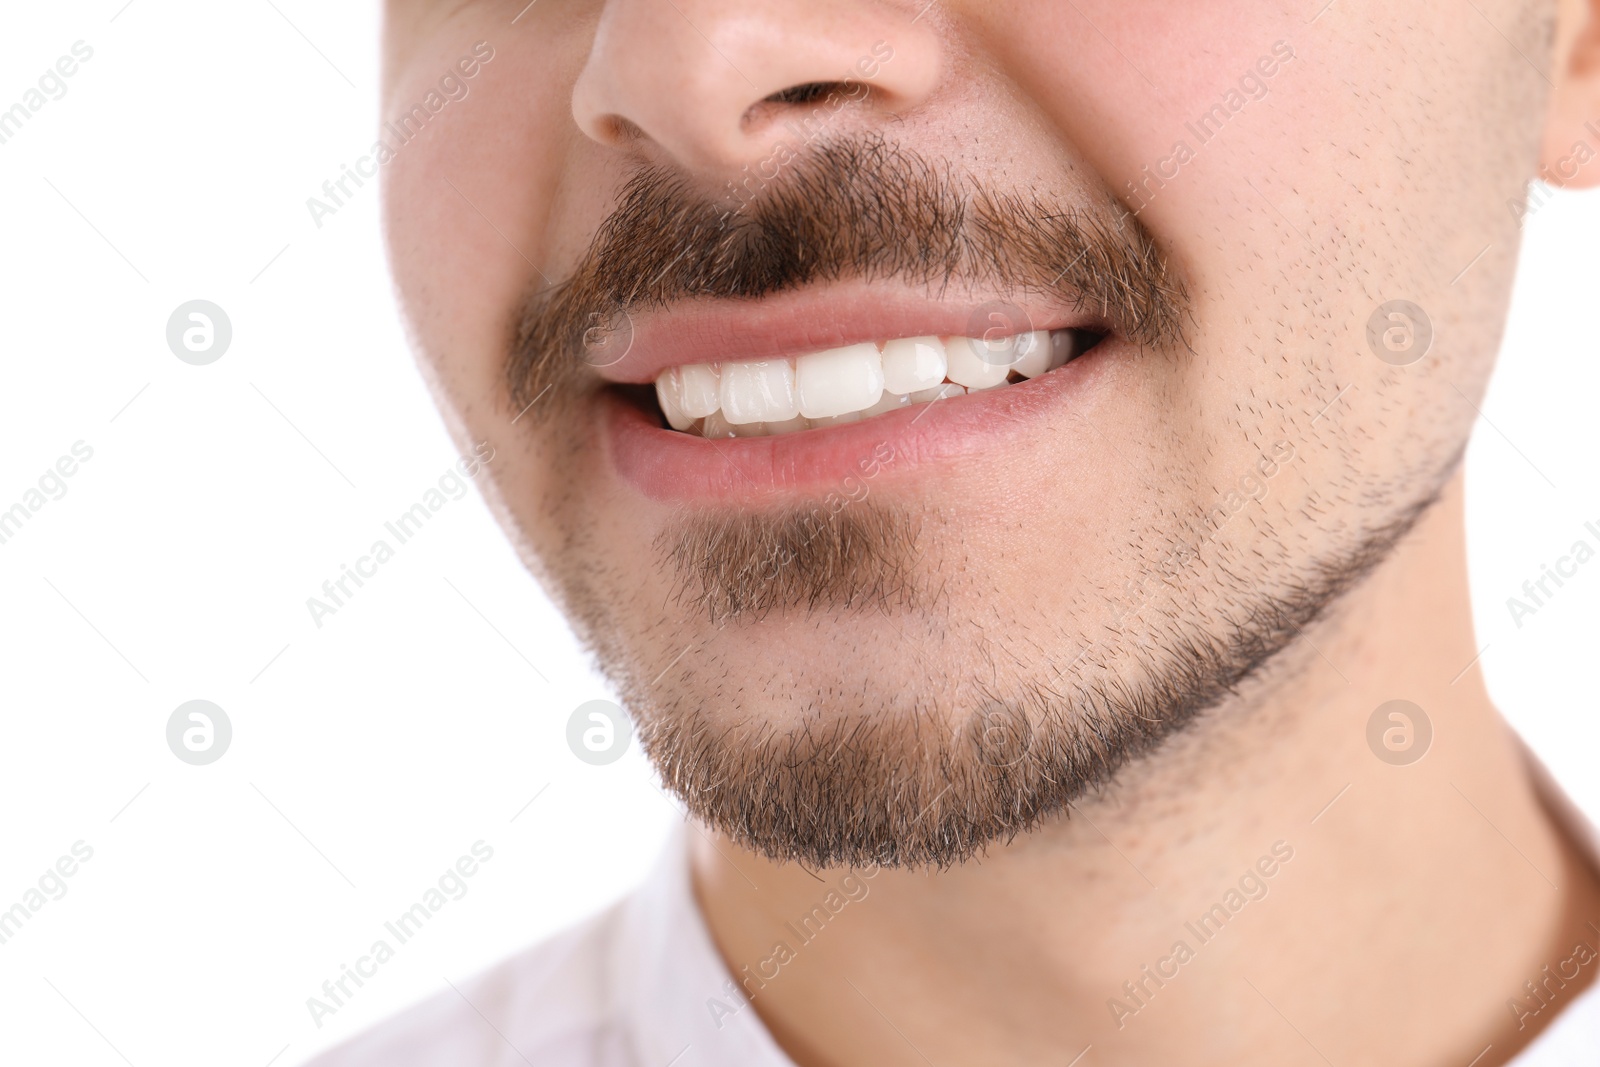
(794, 323)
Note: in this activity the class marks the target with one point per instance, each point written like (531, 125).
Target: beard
(928, 776)
(1032, 710)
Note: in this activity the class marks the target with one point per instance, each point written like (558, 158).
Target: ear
(1570, 157)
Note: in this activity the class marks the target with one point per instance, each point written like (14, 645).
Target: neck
(1266, 869)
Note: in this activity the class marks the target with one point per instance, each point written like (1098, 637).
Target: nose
(716, 84)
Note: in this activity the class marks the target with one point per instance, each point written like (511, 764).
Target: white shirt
(641, 985)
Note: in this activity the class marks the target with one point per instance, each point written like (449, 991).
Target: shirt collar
(683, 1007)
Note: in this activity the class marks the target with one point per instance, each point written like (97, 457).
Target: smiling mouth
(771, 397)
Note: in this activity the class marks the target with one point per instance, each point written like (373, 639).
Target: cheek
(1136, 76)
(461, 203)
(464, 201)
(457, 281)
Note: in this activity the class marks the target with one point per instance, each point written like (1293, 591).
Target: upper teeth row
(853, 379)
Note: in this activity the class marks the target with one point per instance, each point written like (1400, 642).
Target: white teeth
(838, 381)
(912, 363)
(787, 426)
(938, 392)
(968, 359)
(760, 398)
(699, 389)
(1064, 347)
(668, 391)
(1033, 353)
(759, 391)
(888, 402)
(715, 426)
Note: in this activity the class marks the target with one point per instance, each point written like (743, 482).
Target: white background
(371, 753)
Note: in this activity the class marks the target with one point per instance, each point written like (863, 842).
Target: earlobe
(1570, 156)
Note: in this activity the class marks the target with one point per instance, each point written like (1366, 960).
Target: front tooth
(716, 427)
(787, 426)
(889, 402)
(668, 390)
(838, 381)
(761, 390)
(1033, 350)
(938, 392)
(969, 365)
(699, 389)
(913, 363)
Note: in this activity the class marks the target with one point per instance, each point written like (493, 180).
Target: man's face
(901, 637)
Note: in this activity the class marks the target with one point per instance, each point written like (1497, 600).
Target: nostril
(808, 93)
(805, 96)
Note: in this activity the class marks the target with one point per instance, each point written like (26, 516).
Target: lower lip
(672, 467)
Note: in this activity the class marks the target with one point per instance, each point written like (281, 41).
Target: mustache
(863, 209)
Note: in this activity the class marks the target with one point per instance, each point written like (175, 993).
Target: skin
(1379, 166)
